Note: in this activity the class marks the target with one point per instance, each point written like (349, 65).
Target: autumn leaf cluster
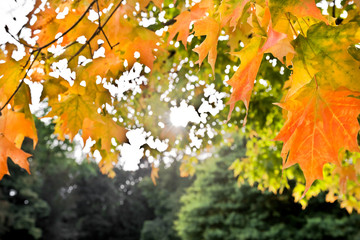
(320, 99)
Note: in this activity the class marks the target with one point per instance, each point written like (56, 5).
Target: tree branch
(23, 79)
(97, 31)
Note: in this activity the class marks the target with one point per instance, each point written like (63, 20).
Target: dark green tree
(215, 207)
(31, 203)
(164, 198)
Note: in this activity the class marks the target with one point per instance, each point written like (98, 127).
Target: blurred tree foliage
(65, 200)
(215, 207)
(164, 199)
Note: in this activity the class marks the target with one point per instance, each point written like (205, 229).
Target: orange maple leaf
(242, 81)
(321, 124)
(8, 149)
(298, 8)
(251, 56)
(14, 127)
(105, 130)
(50, 25)
(146, 49)
(211, 28)
(154, 173)
(72, 110)
(184, 19)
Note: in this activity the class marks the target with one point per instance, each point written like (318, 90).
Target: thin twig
(99, 20)
(72, 27)
(97, 31)
(25, 44)
(106, 38)
(112, 13)
(91, 54)
(98, 12)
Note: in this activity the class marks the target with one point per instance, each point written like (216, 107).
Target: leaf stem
(292, 27)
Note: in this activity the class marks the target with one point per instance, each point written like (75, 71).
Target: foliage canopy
(108, 66)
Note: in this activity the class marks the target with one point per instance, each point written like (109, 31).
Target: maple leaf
(298, 8)
(52, 88)
(154, 173)
(331, 62)
(145, 48)
(242, 82)
(11, 72)
(251, 56)
(8, 149)
(231, 11)
(49, 25)
(320, 124)
(72, 111)
(14, 127)
(184, 19)
(107, 162)
(104, 130)
(211, 29)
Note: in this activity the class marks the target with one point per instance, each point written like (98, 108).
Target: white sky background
(130, 153)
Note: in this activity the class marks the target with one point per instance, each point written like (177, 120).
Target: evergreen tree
(215, 207)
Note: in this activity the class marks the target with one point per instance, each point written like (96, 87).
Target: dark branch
(97, 31)
(26, 45)
(72, 27)
(23, 79)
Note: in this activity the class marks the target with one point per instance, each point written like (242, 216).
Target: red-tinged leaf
(231, 11)
(211, 28)
(146, 50)
(298, 8)
(320, 124)
(242, 82)
(273, 38)
(251, 57)
(181, 27)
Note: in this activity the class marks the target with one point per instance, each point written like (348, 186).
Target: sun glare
(181, 116)
(178, 118)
